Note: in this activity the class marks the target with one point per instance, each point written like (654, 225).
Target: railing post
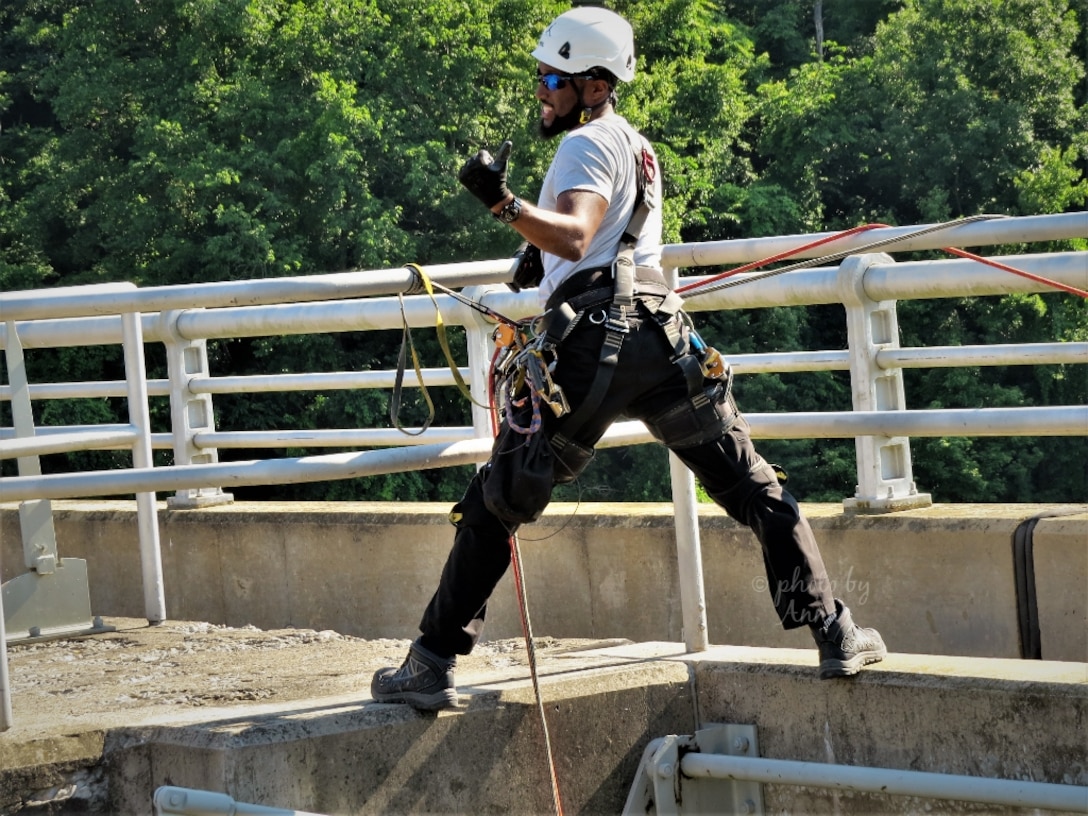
(885, 477)
(54, 596)
(190, 413)
(478, 331)
(689, 554)
(689, 557)
(147, 517)
(36, 516)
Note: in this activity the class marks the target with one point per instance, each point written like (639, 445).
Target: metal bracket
(40, 607)
(660, 789)
(52, 599)
(190, 413)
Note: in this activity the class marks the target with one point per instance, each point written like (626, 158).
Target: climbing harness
(613, 300)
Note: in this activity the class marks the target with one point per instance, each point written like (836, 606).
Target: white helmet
(589, 37)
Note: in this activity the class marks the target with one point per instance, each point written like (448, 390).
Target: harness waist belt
(590, 287)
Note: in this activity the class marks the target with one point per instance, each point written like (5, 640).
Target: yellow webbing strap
(406, 344)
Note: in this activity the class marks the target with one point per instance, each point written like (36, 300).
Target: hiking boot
(424, 681)
(844, 646)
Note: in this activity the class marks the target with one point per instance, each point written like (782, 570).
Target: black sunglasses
(557, 82)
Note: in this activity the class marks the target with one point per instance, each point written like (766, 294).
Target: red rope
(523, 609)
(527, 629)
(1030, 276)
(864, 227)
(781, 256)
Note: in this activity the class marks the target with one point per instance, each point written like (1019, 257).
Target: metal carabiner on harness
(710, 359)
(541, 378)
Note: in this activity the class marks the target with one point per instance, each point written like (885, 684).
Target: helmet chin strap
(589, 110)
(579, 115)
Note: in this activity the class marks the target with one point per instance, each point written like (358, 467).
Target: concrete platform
(283, 718)
(258, 686)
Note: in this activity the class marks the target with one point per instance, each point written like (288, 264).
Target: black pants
(646, 383)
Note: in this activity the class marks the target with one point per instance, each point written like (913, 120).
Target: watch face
(510, 212)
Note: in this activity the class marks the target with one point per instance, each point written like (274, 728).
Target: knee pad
(773, 515)
(701, 418)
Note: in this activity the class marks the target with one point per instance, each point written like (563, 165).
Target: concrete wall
(995, 719)
(1002, 719)
(938, 580)
(487, 757)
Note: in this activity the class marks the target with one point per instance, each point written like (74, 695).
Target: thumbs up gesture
(485, 176)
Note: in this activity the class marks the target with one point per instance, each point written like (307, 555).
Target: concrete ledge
(344, 754)
(341, 756)
(937, 581)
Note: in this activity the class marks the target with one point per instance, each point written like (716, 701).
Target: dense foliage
(181, 141)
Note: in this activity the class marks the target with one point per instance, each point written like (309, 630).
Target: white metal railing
(889, 781)
(184, 318)
(713, 771)
(170, 800)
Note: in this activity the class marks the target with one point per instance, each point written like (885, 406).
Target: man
(654, 368)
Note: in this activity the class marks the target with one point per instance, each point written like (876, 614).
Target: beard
(561, 124)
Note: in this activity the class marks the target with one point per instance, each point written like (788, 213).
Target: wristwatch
(510, 213)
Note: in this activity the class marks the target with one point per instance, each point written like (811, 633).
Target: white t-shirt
(598, 157)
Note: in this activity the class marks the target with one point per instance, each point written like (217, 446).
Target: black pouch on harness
(518, 481)
(529, 271)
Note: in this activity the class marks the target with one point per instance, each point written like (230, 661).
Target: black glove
(485, 177)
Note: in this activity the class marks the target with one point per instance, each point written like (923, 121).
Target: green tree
(787, 30)
(207, 141)
(962, 106)
(957, 102)
(974, 93)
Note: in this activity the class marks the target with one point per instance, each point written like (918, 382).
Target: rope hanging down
(523, 608)
(513, 364)
(514, 359)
